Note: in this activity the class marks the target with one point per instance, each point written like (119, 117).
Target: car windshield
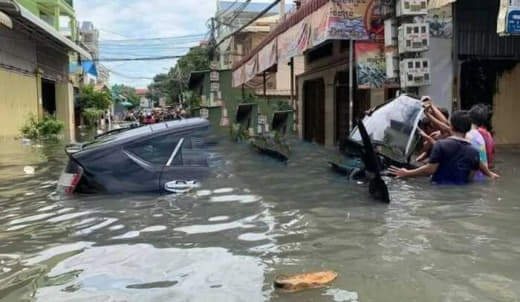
(393, 127)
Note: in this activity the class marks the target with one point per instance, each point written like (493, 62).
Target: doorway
(341, 106)
(314, 111)
(49, 97)
(361, 104)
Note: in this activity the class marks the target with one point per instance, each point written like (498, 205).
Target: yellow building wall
(506, 108)
(18, 99)
(65, 108)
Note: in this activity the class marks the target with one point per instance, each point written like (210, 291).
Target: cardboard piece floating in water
(294, 283)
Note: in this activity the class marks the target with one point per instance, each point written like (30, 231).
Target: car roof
(145, 131)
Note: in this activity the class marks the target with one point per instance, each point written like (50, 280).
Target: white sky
(129, 19)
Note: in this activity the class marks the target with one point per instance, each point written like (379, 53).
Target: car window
(156, 150)
(393, 127)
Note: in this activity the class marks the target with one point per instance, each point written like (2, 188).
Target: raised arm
(444, 127)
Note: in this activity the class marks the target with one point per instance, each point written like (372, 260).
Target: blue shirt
(456, 158)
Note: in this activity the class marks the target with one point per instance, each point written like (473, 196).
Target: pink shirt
(490, 145)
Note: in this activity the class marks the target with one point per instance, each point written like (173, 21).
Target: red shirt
(490, 145)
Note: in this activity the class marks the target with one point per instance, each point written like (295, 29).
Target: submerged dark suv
(166, 157)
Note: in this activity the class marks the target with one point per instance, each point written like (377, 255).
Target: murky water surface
(251, 220)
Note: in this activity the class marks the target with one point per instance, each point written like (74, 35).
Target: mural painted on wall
(370, 64)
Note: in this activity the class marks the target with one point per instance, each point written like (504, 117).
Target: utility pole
(212, 41)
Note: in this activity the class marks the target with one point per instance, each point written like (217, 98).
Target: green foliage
(284, 106)
(172, 85)
(47, 128)
(128, 92)
(89, 98)
(195, 101)
(91, 116)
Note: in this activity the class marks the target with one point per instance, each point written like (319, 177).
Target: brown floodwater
(252, 219)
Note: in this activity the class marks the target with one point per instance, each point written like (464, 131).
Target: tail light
(70, 178)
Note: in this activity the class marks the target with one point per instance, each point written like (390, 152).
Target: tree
(172, 85)
(128, 92)
(93, 103)
(89, 98)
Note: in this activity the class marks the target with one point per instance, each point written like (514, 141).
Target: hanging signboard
(215, 86)
(214, 76)
(513, 21)
(294, 41)
(239, 76)
(355, 20)
(204, 113)
(267, 57)
(370, 64)
(508, 22)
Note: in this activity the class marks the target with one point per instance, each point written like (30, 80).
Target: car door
(187, 163)
(144, 162)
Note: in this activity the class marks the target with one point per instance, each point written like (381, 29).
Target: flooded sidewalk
(253, 219)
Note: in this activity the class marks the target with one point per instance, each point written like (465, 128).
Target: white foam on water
(17, 227)
(65, 210)
(218, 218)
(96, 227)
(236, 198)
(116, 227)
(211, 228)
(47, 208)
(253, 237)
(223, 190)
(128, 235)
(29, 170)
(155, 228)
(202, 193)
(68, 217)
(340, 295)
(32, 218)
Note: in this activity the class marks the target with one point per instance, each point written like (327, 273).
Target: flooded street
(251, 220)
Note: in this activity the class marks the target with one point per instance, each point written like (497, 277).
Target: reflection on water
(251, 220)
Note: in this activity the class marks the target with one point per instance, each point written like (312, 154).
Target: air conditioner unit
(411, 7)
(415, 72)
(390, 32)
(414, 37)
(392, 63)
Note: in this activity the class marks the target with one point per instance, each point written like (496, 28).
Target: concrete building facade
(34, 71)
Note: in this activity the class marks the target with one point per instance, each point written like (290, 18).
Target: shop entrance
(314, 111)
(49, 97)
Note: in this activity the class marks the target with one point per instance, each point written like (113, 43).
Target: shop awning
(439, 3)
(19, 14)
(5, 20)
(316, 22)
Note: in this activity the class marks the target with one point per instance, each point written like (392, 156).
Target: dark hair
(425, 122)
(479, 115)
(460, 121)
(445, 112)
